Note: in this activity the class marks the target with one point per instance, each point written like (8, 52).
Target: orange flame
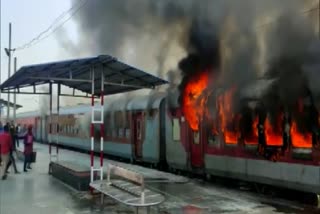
(191, 107)
(299, 139)
(253, 137)
(227, 117)
(273, 133)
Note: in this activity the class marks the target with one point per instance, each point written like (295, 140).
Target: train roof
(151, 101)
(28, 114)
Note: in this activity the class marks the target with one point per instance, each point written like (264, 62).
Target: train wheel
(208, 177)
(260, 188)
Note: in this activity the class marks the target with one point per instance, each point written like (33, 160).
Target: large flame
(273, 133)
(229, 122)
(192, 107)
(300, 140)
(252, 138)
(195, 108)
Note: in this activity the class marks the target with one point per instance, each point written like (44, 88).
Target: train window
(196, 137)
(176, 129)
(108, 132)
(127, 133)
(114, 132)
(212, 139)
(121, 132)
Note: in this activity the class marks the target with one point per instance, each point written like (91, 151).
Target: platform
(38, 192)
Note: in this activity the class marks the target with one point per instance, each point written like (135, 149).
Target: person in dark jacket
(13, 149)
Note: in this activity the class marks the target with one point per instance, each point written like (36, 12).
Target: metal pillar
(9, 72)
(101, 124)
(50, 122)
(58, 125)
(14, 92)
(98, 109)
(92, 128)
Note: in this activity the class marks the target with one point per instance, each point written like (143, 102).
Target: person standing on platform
(1, 130)
(28, 148)
(17, 132)
(13, 132)
(5, 147)
(1, 127)
(13, 149)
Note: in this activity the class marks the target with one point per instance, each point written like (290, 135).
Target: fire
(300, 140)
(273, 133)
(192, 108)
(253, 137)
(228, 118)
(227, 122)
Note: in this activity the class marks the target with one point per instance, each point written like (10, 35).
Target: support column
(58, 125)
(102, 125)
(99, 110)
(50, 120)
(14, 95)
(92, 127)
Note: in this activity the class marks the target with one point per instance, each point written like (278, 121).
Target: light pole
(14, 92)
(8, 52)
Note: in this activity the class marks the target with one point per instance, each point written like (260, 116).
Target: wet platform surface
(36, 192)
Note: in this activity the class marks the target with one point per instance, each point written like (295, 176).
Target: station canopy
(5, 103)
(77, 74)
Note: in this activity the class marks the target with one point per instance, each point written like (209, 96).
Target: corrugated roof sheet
(119, 77)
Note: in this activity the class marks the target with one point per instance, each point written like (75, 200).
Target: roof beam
(89, 81)
(22, 92)
(60, 79)
(73, 95)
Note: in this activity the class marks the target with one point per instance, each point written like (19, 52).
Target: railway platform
(38, 192)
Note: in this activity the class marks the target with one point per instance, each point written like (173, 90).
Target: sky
(29, 18)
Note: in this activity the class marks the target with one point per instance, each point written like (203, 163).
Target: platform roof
(5, 103)
(118, 76)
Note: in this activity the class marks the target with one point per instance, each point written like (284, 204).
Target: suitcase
(33, 157)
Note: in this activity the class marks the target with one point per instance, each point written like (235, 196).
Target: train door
(38, 128)
(196, 149)
(45, 129)
(137, 135)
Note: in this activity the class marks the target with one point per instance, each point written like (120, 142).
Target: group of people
(9, 141)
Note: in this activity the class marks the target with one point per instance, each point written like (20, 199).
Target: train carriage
(152, 130)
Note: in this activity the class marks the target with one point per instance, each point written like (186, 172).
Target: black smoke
(290, 41)
(235, 40)
(204, 53)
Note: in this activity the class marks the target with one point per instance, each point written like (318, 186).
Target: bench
(128, 188)
(71, 173)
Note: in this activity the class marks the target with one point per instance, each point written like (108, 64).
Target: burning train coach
(246, 145)
(224, 118)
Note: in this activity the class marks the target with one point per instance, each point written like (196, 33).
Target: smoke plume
(236, 41)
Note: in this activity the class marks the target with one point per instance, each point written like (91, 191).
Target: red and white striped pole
(102, 125)
(92, 127)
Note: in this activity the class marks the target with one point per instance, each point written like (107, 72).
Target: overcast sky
(28, 19)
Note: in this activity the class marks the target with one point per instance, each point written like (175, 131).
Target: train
(152, 129)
